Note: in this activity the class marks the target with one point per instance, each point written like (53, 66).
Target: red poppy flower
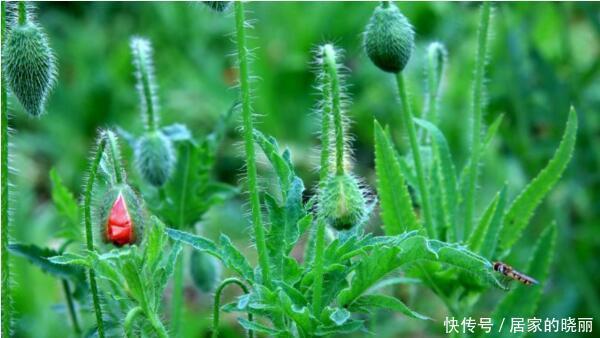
(119, 227)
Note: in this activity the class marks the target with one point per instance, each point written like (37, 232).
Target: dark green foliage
(389, 38)
(342, 202)
(155, 157)
(29, 65)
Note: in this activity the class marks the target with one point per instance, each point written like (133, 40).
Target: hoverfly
(508, 271)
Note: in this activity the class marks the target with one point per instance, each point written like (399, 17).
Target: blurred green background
(544, 57)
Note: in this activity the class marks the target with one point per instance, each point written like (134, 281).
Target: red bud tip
(119, 227)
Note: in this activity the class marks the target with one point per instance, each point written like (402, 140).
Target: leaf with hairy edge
(521, 210)
(384, 259)
(478, 235)
(39, 257)
(67, 206)
(197, 242)
(491, 236)
(367, 302)
(71, 259)
(234, 259)
(446, 173)
(522, 301)
(154, 243)
(396, 205)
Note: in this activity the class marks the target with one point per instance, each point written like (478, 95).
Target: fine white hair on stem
(141, 50)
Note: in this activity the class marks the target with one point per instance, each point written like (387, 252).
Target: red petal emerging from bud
(119, 227)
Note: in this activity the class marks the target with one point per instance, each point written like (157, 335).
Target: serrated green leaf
(132, 276)
(154, 243)
(367, 302)
(492, 130)
(478, 235)
(522, 209)
(299, 314)
(197, 242)
(491, 236)
(69, 258)
(346, 328)
(522, 300)
(396, 205)
(234, 259)
(39, 257)
(446, 173)
(67, 206)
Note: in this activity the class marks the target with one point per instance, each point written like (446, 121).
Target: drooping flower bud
(155, 157)
(205, 271)
(29, 65)
(389, 38)
(343, 203)
(121, 216)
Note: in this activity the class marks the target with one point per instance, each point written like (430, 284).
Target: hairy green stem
(336, 107)
(6, 298)
(22, 13)
(146, 89)
(407, 119)
(177, 296)
(482, 40)
(115, 155)
(259, 233)
(217, 305)
(130, 319)
(331, 102)
(93, 171)
(71, 307)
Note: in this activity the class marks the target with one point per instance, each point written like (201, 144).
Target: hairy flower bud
(155, 158)
(29, 66)
(121, 216)
(342, 202)
(205, 271)
(389, 38)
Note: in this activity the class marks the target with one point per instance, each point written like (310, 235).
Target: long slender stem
(407, 119)
(71, 307)
(259, 233)
(336, 108)
(217, 305)
(115, 155)
(477, 112)
(330, 90)
(22, 12)
(6, 298)
(146, 85)
(88, 231)
(177, 296)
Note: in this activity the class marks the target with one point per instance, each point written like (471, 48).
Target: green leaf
(493, 230)
(154, 244)
(69, 258)
(492, 130)
(132, 274)
(234, 259)
(177, 132)
(396, 205)
(197, 242)
(384, 259)
(522, 300)
(446, 173)
(521, 210)
(283, 170)
(479, 234)
(39, 257)
(191, 191)
(67, 206)
(346, 328)
(367, 302)
(340, 316)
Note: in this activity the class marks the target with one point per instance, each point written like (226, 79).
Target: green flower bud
(217, 6)
(342, 202)
(205, 271)
(155, 158)
(121, 216)
(29, 66)
(389, 38)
